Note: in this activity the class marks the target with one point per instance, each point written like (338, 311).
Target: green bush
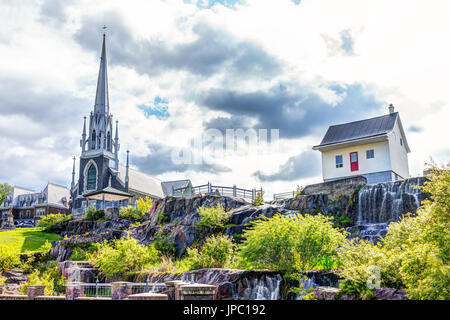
(129, 213)
(259, 200)
(52, 219)
(144, 205)
(122, 256)
(47, 275)
(163, 217)
(93, 214)
(163, 244)
(217, 252)
(213, 217)
(291, 244)
(9, 258)
(416, 250)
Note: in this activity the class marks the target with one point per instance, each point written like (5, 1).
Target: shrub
(9, 258)
(144, 205)
(47, 275)
(121, 256)
(217, 252)
(129, 213)
(2, 281)
(259, 200)
(163, 244)
(213, 217)
(290, 244)
(163, 217)
(94, 214)
(416, 251)
(298, 192)
(52, 219)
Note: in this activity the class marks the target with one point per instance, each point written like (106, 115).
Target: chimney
(391, 108)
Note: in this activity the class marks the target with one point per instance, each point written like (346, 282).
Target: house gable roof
(361, 129)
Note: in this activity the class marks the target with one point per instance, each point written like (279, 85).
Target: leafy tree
(52, 219)
(5, 189)
(213, 217)
(144, 205)
(291, 244)
(121, 256)
(217, 252)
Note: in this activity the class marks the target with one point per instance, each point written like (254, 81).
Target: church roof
(142, 182)
(359, 129)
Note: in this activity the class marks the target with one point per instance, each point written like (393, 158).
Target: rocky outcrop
(62, 250)
(233, 284)
(78, 271)
(178, 217)
(14, 276)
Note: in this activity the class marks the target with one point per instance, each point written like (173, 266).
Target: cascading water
(382, 203)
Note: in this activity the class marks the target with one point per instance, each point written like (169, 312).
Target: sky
(179, 68)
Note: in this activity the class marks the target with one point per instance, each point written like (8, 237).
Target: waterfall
(382, 203)
(262, 288)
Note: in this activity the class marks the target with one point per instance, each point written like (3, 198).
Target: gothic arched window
(108, 142)
(91, 182)
(94, 138)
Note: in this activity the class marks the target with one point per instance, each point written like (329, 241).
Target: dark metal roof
(167, 185)
(359, 129)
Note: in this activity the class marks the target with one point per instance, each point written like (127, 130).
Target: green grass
(26, 239)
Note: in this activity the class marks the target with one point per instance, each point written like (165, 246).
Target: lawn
(26, 239)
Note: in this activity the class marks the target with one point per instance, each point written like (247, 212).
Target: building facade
(375, 148)
(102, 182)
(30, 206)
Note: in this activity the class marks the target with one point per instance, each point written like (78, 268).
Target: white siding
(381, 161)
(399, 155)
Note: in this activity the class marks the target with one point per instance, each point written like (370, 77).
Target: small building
(375, 148)
(30, 206)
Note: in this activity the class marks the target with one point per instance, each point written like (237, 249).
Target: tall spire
(102, 97)
(83, 138)
(73, 174)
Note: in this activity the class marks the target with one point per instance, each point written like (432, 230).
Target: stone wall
(336, 188)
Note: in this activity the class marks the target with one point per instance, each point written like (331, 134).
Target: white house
(375, 148)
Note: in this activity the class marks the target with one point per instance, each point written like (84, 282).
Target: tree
(5, 189)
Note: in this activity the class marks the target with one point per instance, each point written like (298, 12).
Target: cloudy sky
(178, 68)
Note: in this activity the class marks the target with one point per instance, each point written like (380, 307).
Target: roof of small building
(359, 129)
(167, 186)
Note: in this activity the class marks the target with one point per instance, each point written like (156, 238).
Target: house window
(21, 215)
(370, 154)
(339, 161)
(91, 178)
(28, 213)
(40, 212)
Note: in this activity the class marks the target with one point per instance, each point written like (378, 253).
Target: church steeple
(102, 97)
(100, 136)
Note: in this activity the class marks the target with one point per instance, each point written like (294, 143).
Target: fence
(284, 195)
(104, 290)
(211, 189)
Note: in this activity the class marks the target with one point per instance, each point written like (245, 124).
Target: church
(102, 181)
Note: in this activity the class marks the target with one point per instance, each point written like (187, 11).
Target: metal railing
(212, 189)
(284, 195)
(96, 289)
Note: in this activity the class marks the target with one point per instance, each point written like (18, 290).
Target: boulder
(15, 276)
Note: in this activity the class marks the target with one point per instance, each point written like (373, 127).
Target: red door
(354, 161)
